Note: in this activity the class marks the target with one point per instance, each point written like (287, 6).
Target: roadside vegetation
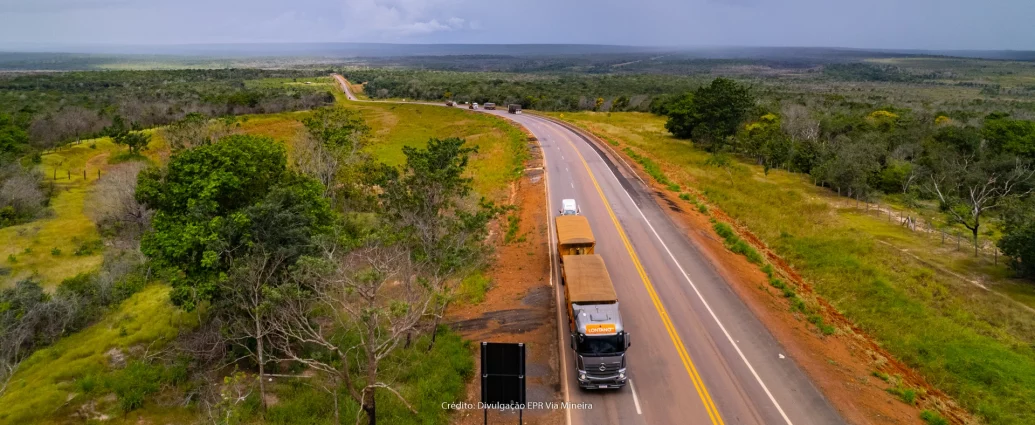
(276, 238)
(971, 343)
(296, 224)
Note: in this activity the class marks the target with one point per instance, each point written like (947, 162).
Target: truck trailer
(574, 237)
(489, 106)
(514, 108)
(598, 338)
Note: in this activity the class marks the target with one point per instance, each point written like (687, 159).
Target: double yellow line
(709, 405)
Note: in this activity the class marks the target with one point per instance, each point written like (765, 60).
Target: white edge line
(563, 358)
(696, 291)
(635, 398)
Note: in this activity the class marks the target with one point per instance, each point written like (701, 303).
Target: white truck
(569, 207)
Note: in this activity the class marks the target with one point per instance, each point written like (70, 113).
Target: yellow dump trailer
(574, 237)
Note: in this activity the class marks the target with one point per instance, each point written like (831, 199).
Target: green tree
(1016, 137)
(767, 142)
(338, 127)
(1018, 241)
(12, 139)
(209, 208)
(122, 134)
(232, 219)
(427, 200)
(715, 112)
(682, 114)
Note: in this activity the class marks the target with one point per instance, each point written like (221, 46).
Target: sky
(887, 24)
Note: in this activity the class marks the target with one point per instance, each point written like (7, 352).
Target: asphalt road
(698, 354)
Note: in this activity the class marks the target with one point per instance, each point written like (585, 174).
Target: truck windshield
(601, 345)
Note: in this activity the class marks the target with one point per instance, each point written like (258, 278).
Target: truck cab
(569, 207)
(599, 340)
(600, 343)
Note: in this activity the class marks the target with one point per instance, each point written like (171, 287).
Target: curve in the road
(738, 376)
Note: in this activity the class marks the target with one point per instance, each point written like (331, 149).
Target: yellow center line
(709, 405)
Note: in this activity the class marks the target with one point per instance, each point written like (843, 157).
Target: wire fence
(938, 232)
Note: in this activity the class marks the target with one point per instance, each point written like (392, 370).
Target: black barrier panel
(503, 373)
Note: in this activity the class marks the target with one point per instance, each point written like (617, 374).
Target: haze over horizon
(877, 24)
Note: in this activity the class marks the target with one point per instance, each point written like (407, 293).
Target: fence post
(69, 174)
(957, 240)
(84, 174)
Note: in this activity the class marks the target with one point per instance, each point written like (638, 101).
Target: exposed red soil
(841, 365)
(519, 306)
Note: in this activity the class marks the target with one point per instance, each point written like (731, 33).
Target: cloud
(381, 20)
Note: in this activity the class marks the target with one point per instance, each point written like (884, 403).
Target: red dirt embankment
(519, 306)
(842, 365)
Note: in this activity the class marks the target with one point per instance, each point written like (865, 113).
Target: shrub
(724, 230)
(55, 251)
(932, 418)
(684, 196)
(513, 226)
(133, 384)
(907, 395)
(702, 208)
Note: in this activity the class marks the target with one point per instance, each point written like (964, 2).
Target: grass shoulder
(971, 343)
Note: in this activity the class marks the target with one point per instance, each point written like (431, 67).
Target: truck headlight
(621, 374)
(582, 376)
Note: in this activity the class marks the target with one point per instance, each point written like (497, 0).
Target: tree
(968, 186)
(123, 135)
(797, 122)
(723, 161)
(74, 122)
(30, 318)
(849, 166)
(21, 197)
(373, 293)
(1018, 240)
(233, 220)
(135, 141)
(198, 200)
(12, 139)
(620, 103)
(331, 151)
(187, 132)
(713, 114)
(767, 143)
(114, 207)
(1014, 137)
(427, 201)
(338, 127)
(681, 112)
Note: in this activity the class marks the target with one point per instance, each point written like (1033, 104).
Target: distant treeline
(549, 92)
(47, 109)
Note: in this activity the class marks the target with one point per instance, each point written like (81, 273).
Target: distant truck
(449, 103)
(473, 106)
(514, 108)
(568, 207)
(489, 106)
(598, 337)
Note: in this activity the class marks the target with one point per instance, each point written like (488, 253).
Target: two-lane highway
(698, 354)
